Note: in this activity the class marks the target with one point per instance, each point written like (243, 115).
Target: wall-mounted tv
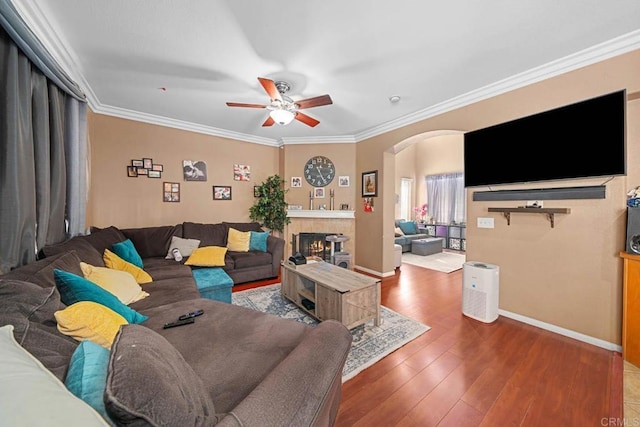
(581, 140)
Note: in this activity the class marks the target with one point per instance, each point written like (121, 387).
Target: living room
(567, 279)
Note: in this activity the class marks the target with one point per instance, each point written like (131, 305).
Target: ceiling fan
(282, 109)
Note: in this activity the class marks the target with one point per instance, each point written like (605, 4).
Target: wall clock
(319, 171)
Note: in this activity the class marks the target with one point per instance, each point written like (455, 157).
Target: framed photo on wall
(296, 182)
(318, 193)
(171, 192)
(343, 181)
(221, 192)
(370, 184)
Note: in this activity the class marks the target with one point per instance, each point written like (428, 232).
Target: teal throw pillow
(127, 252)
(258, 241)
(408, 227)
(87, 375)
(74, 288)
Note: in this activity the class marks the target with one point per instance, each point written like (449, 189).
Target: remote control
(191, 315)
(179, 323)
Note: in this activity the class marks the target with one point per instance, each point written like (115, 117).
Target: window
(446, 198)
(405, 198)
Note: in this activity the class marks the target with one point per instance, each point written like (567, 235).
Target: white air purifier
(480, 291)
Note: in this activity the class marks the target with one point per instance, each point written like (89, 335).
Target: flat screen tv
(581, 140)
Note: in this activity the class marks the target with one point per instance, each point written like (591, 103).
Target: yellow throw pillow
(111, 260)
(207, 256)
(120, 283)
(88, 320)
(238, 241)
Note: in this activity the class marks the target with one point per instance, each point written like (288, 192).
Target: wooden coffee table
(327, 291)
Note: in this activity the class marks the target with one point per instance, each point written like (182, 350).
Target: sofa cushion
(161, 268)
(238, 240)
(208, 234)
(208, 256)
(185, 246)
(113, 261)
(31, 395)
(408, 227)
(244, 226)
(250, 259)
(83, 249)
(88, 320)
(166, 292)
(152, 241)
(258, 241)
(87, 376)
(74, 288)
(120, 283)
(103, 238)
(150, 383)
(127, 251)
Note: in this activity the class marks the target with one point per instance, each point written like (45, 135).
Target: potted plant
(270, 209)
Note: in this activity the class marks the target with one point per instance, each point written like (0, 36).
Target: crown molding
(38, 23)
(614, 47)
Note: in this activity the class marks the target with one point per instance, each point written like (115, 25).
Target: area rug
(445, 262)
(370, 343)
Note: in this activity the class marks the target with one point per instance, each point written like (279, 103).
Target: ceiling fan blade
(307, 120)
(269, 122)
(314, 102)
(270, 87)
(240, 104)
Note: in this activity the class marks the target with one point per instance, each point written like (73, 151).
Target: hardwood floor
(467, 373)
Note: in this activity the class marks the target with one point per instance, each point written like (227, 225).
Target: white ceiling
(435, 55)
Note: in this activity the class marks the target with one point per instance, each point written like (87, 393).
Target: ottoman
(429, 246)
(213, 283)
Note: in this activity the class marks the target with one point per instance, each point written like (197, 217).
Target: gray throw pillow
(150, 383)
(185, 246)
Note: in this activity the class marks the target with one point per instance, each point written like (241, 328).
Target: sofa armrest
(275, 246)
(305, 388)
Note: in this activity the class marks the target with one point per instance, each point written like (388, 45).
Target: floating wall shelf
(550, 212)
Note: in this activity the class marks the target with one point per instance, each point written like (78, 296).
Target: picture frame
(147, 163)
(194, 170)
(296, 181)
(132, 172)
(154, 174)
(370, 184)
(241, 173)
(221, 192)
(142, 171)
(318, 193)
(171, 192)
(137, 163)
(343, 181)
(157, 167)
(344, 207)
(256, 191)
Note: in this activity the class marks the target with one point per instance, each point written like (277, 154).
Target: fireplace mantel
(319, 213)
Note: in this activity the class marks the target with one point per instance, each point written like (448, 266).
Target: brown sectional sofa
(255, 369)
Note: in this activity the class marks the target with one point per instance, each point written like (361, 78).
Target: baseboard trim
(374, 272)
(562, 331)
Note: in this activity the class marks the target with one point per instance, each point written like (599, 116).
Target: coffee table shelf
(338, 293)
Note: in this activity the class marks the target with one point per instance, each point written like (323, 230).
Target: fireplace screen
(313, 244)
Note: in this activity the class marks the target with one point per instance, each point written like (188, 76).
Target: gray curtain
(42, 151)
(446, 197)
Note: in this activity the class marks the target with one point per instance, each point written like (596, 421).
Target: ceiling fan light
(282, 117)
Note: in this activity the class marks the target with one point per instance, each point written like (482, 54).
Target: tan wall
(569, 276)
(116, 199)
(342, 155)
